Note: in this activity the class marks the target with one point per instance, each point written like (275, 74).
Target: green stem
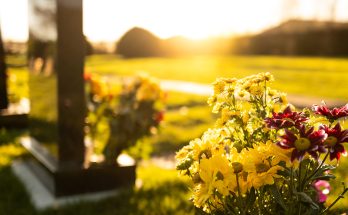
(239, 196)
(305, 176)
(321, 164)
(299, 187)
(299, 177)
(336, 200)
(291, 180)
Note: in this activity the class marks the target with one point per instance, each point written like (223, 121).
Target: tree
(139, 42)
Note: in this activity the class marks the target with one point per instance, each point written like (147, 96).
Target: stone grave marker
(58, 107)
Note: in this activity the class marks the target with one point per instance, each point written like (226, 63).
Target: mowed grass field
(319, 77)
(312, 76)
(186, 118)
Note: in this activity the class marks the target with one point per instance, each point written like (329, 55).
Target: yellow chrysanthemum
(216, 175)
(260, 167)
(148, 90)
(219, 86)
(256, 90)
(99, 87)
(212, 142)
(238, 161)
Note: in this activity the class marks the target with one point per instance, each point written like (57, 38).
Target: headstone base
(15, 116)
(77, 180)
(42, 198)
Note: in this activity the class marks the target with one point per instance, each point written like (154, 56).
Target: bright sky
(109, 19)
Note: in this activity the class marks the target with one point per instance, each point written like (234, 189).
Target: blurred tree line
(294, 37)
(297, 37)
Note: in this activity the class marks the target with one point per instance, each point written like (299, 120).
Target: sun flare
(108, 20)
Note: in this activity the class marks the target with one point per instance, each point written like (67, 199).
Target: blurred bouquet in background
(129, 112)
(263, 156)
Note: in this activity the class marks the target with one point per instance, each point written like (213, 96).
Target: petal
(314, 155)
(290, 136)
(339, 148)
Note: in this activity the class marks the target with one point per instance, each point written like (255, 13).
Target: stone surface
(42, 198)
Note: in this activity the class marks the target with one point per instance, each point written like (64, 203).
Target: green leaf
(277, 196)
(251, 198)
(324, 177)
(307, 199)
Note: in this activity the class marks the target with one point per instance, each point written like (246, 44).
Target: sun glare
(194, 19)
(108, 20)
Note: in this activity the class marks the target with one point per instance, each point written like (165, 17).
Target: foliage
(263, 157)
(131, 115)
(138, 42)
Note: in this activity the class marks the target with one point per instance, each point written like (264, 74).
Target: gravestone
(10, 115)
(3, 78)
(58, 107)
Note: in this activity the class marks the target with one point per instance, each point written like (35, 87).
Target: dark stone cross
(58, 107)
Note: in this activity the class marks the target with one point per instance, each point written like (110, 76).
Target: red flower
(159, 116)
(334, 140)
(286, 119)
(309, 141)
(87, 76)
(333, 114)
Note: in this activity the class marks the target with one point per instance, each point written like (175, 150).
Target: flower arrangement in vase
(131, 113)
(263, 156)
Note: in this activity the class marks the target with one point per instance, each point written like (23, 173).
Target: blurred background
(186, 44)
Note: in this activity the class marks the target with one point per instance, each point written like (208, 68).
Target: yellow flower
(256, 90)
(266, 76)
(216, 175)
(226, 115)
(211, 142)
(148, 90)
(239, 161)
(219, 86)
(183, 153)
(212, 100)
(201, 193)
(245, 117)
(283, 99)
(261, 167)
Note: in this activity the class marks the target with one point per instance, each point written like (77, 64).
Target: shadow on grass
(169, 197)
(166, 198)
(10, 135)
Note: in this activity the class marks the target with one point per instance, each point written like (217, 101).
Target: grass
(163, 194)
(297, 75)
(311, 76)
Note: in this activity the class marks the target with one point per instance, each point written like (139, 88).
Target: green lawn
(313, 76)
(164, 194)
(321, 77)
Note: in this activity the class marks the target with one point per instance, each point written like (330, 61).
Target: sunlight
(193, 19)
(108, 20)
(14, 19)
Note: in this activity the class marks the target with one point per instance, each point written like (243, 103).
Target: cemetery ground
(187, 116)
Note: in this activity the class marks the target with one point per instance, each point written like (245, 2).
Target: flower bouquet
(130, 113)
(263, 156)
